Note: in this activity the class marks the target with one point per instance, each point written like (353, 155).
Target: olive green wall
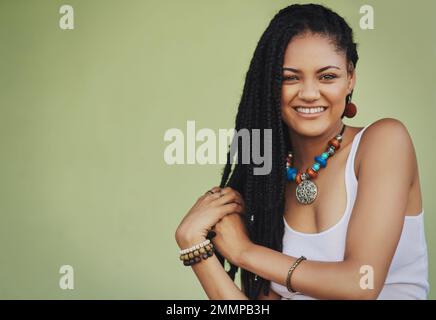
(83, 180)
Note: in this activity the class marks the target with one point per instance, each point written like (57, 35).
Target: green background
(83, 114)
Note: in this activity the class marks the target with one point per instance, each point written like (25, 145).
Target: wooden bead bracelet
(196, 253)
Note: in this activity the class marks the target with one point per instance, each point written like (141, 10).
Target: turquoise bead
(316, 166)
(321, 161)
(291, 173)
(324, 155)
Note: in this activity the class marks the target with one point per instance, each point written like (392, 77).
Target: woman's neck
(305, 148)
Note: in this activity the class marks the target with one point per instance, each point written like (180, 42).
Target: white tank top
(408, 273)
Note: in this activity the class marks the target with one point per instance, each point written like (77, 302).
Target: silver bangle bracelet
(291, 270)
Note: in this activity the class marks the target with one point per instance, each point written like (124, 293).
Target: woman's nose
(309, 91)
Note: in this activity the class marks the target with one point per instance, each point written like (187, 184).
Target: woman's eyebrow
(318, 71)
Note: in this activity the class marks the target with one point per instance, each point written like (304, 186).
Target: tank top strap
(350, 161)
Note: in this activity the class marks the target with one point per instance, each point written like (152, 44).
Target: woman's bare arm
(216, 282)
(213, 278)
(206, 212)
(219, 286)
(374, 230)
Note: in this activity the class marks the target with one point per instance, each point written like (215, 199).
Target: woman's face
(314, 75)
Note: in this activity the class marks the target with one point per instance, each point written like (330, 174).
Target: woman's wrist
(244, 259)
(186, 241)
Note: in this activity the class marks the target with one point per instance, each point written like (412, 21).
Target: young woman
(340, 215)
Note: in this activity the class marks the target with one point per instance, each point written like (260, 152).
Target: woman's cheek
(288, 93)
(287, 96)
(335, 94)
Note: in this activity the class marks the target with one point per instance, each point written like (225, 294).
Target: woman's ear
(351, 77)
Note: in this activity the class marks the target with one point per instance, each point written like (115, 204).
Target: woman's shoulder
(384, 132)
(385, 140)
(386, 126)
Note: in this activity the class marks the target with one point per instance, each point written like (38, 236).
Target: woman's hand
(206, 212)
(231, 238)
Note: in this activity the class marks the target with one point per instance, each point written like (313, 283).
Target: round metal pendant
(306, 192)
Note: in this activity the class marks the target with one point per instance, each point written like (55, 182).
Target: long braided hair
(260, 108)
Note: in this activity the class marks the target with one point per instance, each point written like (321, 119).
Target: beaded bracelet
(194, 254)
(291, 270)
(197, 246)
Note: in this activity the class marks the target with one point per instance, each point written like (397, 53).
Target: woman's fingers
(227, 198)
(230, 190)
(224, 210)
(209, 195)
(224, 200)
(229, 195)
(230, 208)
(215, 189)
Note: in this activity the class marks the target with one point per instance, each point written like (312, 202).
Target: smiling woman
(352, 229)
(291, 79)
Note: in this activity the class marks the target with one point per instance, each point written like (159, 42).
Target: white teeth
(311, 110)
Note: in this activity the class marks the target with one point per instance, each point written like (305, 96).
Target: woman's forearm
(216, 282)
(214, 279)
(321, 280)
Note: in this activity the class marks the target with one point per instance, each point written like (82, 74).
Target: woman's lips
(310, 115)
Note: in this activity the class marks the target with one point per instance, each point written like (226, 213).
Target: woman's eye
(289, 78)
(323, 77)
(328, 76)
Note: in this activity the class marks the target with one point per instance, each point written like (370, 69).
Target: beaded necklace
(307, 190)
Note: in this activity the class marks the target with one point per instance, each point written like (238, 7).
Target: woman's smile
(310, 113)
